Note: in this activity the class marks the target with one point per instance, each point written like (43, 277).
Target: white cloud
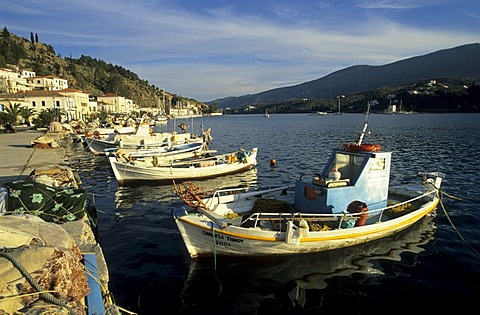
(218, 51)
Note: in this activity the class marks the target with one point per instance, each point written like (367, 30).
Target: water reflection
(130, 195)
(295, 281)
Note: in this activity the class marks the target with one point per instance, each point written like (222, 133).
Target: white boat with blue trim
(350, 202)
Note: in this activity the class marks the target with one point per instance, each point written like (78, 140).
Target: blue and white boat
(349, 202)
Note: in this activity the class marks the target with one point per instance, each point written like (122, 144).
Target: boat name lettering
(217, 236)
(234, 239)
(222, 237)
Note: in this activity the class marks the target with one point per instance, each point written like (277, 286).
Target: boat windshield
(348, 164)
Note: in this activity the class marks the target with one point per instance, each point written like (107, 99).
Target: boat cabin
(347, 177)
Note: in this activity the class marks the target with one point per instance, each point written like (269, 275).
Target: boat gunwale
(394, 224)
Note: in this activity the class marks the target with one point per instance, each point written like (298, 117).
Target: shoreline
(18, 160)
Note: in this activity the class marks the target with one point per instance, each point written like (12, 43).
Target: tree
(32, 40)
(5, 33)
(10, 114)
(26, 113)
(47, 116)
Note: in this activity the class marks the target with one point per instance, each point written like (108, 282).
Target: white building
(113, 103)
(50, 83)
(13, 82)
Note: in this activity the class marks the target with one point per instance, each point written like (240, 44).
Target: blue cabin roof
(365, 176)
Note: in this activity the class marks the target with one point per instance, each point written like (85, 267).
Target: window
(34, 104)
(378, 165)
(43, 103)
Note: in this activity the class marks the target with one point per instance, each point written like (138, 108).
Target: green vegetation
(445, 96)
(10, 115)
(47, 116)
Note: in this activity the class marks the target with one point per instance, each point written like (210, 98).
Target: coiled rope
(43, 294)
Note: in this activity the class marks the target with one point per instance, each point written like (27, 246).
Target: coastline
(19, 159)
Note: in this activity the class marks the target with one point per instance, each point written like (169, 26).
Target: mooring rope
(214, 249)
(28, 161)
(451, 222)
(215, 262)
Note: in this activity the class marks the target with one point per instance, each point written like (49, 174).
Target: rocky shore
(54, 254)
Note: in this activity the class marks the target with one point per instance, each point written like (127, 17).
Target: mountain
(461, 61)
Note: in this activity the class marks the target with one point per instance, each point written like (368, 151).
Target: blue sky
(208, 49)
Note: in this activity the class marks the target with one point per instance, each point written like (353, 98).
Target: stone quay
(18, 159)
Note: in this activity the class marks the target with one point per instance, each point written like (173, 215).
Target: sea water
(433, 265)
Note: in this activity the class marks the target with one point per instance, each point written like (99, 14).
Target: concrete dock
(18, 157)
(17, 160)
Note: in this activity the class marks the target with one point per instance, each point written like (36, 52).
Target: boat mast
(365, 125)
(164, 109)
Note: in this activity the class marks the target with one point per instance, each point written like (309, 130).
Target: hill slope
(461, 61)
(95, 77)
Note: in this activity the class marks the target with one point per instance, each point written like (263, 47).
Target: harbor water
(434, 265)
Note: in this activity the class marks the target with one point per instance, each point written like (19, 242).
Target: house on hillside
(13, 82)
(50, 83)
(113, 103)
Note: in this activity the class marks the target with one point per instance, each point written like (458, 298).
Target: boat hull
(127, 172)
(102, 146)
(205, 238)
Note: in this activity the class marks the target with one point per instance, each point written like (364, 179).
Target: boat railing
(257, 218)
(279, 218)
(381, 211)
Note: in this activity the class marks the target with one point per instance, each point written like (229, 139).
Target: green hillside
(95, 77)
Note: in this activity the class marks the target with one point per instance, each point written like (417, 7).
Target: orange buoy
(364, 147)
(273, 162)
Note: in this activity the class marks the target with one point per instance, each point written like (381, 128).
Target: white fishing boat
(161, 119)
(156, 169)
(350, 202)
(318, 114)
(175, 151)
(143, 139)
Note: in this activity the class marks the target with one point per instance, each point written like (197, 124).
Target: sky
(210, 49)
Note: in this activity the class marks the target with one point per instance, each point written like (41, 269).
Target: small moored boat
(350, 202)
(153, 168)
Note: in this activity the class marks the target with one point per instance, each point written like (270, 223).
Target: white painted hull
(127, 172)
(203, 237)
(99, 146)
